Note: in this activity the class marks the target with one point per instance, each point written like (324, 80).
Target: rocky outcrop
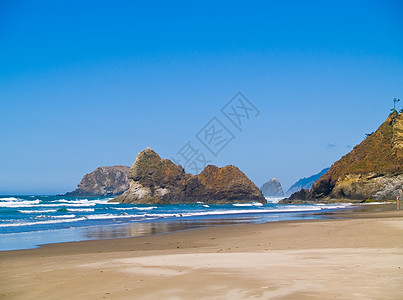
(372, 170)
(156, 180)
(103, 182)
(228, 184)
(272, 188)
(301, 195)
(305, 183)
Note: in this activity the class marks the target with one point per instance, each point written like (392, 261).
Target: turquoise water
(28, 221)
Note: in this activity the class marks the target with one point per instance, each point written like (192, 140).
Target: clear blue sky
(91, 83)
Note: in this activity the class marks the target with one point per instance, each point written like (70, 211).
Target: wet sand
(356, 258)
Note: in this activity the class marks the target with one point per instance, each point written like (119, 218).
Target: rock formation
(305, 183)
(103, 182)
(156, 180)
(272, 188)
(372, 170)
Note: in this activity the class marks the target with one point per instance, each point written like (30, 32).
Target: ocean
(29, 221)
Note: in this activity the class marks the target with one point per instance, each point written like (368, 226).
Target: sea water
(29, 221)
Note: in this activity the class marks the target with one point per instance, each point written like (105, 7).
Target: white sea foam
(246, 211)
(42, 209)
(67, 201)
(42, 222)
(63, 217)
(40, 217)
(106, 202)
(288, 208)
(19, 203)
(248, 204)
(38, 203)
(68, 218)
(124, 208)
(37, 211)
(205, 213)
(273, 199)
(80, 209)
(83, 201)
(134, 208)
(23, 204)
(9, 198)
(112, 216)
(145, 208)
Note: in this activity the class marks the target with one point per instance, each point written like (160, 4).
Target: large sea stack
(272, 188)
(156, 180)
(103, 182)
(372, 170)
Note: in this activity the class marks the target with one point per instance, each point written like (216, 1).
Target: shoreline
(385, 210)
(35, 238)
(352, 257)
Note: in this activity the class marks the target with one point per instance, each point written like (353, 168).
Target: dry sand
(359, 258)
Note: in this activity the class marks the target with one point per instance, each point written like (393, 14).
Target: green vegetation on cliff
(373, 169)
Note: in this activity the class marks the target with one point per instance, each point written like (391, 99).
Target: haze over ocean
(84, 85)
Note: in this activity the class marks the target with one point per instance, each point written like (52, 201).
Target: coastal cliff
(156, 180)
(372, 170)
(102, 182)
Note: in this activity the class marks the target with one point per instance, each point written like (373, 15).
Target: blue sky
(91, 83)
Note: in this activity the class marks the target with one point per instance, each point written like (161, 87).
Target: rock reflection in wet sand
(149, 228)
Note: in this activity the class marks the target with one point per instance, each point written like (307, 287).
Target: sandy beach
(356, 258)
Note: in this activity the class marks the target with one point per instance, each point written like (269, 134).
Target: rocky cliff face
(156, 180)
(305, 183)
(103, 182)
(272, 188)
(373, 169)
(228, 184)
